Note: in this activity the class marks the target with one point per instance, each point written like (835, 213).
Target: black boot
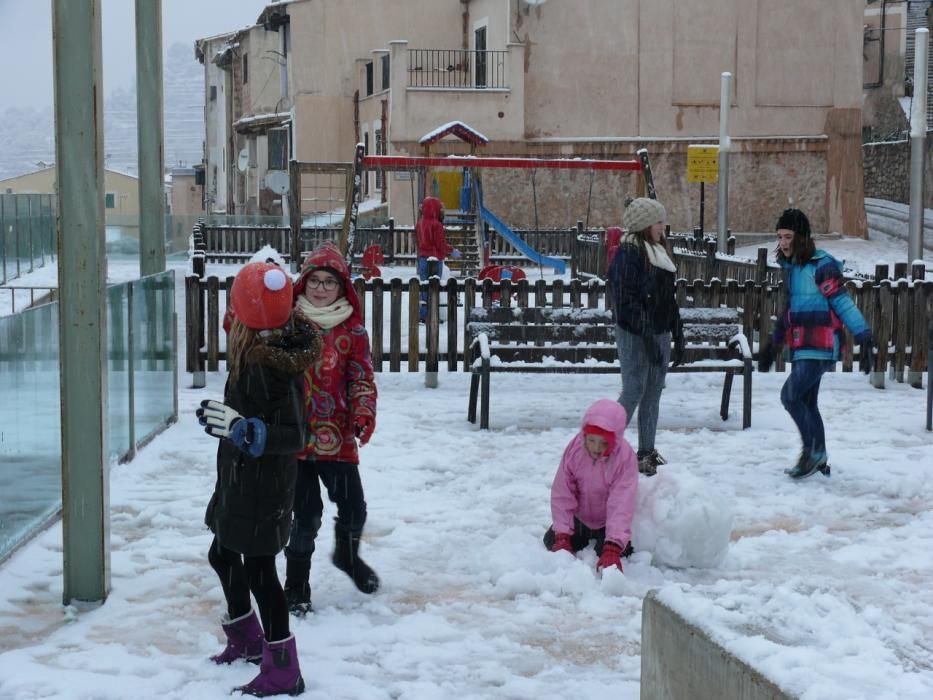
(298, 585)
(346, 558)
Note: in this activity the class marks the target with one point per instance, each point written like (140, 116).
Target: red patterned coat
(340, 386)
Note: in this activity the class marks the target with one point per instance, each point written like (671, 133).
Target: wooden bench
(582, 341)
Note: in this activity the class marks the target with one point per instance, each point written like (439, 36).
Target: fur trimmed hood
(292, 351)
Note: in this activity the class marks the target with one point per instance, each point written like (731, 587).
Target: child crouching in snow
(593, 494)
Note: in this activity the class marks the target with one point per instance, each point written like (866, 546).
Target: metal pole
(918, 131)
(82, 266)
(722, 218)
(702, 205)
(150, 130)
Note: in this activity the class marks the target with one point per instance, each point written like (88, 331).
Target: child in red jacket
(340, 408)
(432, 243)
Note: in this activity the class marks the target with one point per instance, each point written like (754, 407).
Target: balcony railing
(456, 68)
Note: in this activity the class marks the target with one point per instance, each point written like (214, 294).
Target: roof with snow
(462, 131)
(261, 122)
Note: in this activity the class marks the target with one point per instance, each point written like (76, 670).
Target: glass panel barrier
(30, 447)
(119, 407)
(154, 353)
(141, 395)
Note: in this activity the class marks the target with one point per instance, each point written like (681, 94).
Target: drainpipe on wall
(465, 40)
(385, 148)
(880, 81)
(356, 115)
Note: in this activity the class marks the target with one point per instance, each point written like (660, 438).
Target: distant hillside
(27, 136)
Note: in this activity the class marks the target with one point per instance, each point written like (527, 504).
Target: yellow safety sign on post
(702, 163)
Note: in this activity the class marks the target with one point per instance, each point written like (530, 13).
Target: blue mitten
(221, 421)
(249, 434)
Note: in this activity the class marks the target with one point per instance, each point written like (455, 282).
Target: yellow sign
(702, 163)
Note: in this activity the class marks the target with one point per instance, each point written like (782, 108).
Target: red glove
(611, 556)
(364, 426)
(562, 543)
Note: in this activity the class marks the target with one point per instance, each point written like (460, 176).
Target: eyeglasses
(330, 284)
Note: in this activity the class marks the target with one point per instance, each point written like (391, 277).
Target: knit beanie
(607, 435)
(642, 213)
(794, 220)
(262, 296)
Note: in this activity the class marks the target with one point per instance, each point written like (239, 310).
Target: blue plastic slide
(520, 245)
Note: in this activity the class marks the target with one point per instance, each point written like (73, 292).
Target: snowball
(274, 280)
(681, 520)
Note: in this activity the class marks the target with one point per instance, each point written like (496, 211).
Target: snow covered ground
(824, 587)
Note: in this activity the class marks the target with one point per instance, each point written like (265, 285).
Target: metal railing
(456, 68)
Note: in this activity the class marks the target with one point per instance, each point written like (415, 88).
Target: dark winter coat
(643, 295)
(340, 385)
(250, 511)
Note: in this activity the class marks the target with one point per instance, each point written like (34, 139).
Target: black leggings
(241, 575)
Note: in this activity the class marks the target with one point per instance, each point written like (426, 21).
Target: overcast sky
(26, 41)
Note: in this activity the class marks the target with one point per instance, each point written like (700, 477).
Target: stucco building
(590, 78)
(121, 191)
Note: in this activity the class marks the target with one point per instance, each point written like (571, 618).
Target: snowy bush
(681, 520)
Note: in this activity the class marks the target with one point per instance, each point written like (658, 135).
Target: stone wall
(764, 179)
(887, 171)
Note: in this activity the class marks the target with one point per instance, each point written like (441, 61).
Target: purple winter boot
(244, 640)
(278, 673)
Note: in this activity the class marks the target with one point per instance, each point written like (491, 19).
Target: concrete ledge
(680, 661)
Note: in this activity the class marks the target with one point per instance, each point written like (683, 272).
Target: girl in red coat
(340, 408)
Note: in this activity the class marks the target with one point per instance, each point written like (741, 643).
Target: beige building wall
(120, 189)
(218, 147)
(331, 42)
(601, 79)
(884, 76)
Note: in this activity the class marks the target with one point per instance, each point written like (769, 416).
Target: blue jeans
(799, 396)
(423, 276)
(344, 487)
(642, 382)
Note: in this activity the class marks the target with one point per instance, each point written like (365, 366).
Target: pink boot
(244, 640)
(278, 673)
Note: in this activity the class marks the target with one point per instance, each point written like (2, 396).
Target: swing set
(471, 194)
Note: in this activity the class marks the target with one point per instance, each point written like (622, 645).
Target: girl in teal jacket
(818, 306)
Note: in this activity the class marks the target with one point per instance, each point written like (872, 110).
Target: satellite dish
(277, 181)
(242, 161)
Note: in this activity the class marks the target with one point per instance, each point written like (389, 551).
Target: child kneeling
(594, 490)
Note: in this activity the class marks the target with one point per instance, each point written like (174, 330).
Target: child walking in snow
(261, 428)
(593, 494)
(340, 408)
(818, 306)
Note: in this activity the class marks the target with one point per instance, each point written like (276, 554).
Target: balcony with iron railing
(430, 87)
(457, 68)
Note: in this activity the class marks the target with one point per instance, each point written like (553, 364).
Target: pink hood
(599, 492)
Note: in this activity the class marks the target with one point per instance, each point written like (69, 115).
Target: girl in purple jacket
(593, 494)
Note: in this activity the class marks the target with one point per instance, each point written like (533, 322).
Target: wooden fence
(899, 313)
(235, 243)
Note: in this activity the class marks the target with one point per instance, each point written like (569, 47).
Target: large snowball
(681, 520)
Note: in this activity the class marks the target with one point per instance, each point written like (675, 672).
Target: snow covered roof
(462, 131)
(274, 14)
(261, 122)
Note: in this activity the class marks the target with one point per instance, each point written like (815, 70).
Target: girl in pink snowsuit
(594, 490)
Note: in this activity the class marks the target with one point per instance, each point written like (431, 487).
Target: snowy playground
(822, 585)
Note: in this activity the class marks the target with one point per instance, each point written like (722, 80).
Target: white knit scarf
(325, 316)
(657, 253)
